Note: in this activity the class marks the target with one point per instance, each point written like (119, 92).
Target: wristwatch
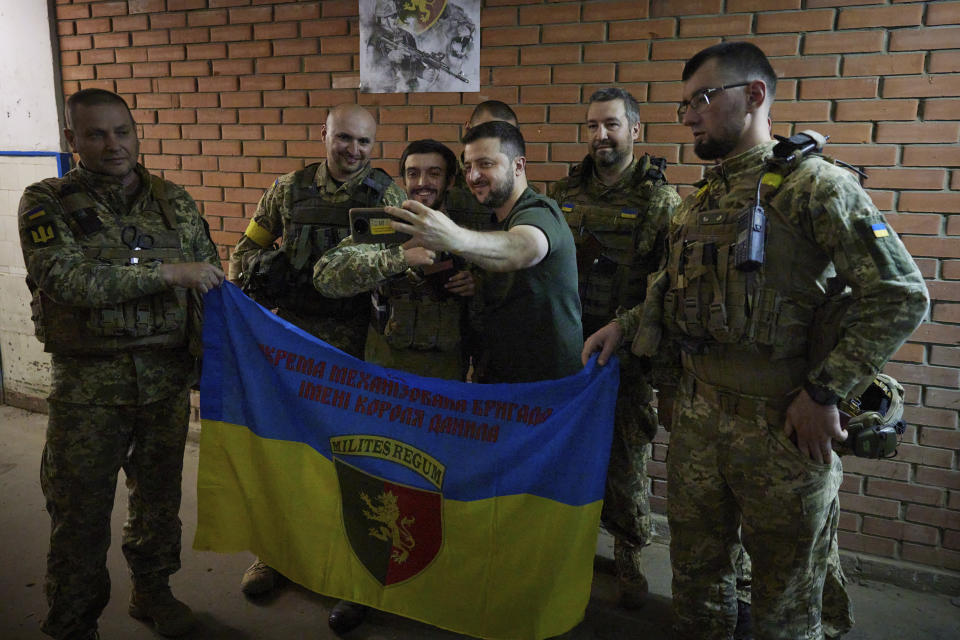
(820, 395)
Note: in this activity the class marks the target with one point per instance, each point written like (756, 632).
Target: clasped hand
(199, 276)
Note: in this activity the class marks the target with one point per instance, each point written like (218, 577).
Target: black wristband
(820, 395)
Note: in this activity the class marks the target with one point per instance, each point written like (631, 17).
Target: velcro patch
(879, 230)
(891, 260)
(42, 233)
(35, 214)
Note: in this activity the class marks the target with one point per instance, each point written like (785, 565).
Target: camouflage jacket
(623, 225)
(58, 267)
(273, 214)
(415, 309)
(274, 220)
(820, 221)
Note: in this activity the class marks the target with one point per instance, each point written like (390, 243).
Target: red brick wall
(232, 93)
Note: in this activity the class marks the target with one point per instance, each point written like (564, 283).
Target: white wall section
(29, 122)
(28, 93)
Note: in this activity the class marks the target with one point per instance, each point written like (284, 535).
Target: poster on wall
(411, 46)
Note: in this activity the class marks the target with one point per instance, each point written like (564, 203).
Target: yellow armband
(259, 235)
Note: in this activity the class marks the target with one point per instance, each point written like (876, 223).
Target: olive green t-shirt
(531, 317)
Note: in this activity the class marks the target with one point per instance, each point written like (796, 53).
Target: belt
(737, 404)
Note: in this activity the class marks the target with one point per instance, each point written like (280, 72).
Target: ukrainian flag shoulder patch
(36, 213)
(879, 230)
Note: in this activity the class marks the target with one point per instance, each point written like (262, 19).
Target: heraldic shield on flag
(421, 14)
(395, 530)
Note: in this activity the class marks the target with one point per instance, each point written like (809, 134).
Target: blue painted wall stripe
(64, 159)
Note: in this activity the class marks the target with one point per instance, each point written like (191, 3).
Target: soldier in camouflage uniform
(755, 410)
(307, 210)
(419, 298)
(618, 207)
(116, 260)
(530, 323)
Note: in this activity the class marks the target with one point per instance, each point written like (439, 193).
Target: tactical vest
(615, 248)
(154, 321)
(744, 325)
(415, 312)
(462, 207)
(315, 226)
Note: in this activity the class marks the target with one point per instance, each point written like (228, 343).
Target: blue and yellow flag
(470, 507)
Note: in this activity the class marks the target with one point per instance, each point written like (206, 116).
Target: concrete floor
(208, 581)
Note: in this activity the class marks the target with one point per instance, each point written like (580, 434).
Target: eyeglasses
(702, 98)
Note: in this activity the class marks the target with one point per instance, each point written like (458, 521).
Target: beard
(428, 197)
(499, 193)
(714, 148)
(607, 156)
(726, 140)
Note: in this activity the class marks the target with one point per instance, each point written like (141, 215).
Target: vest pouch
(158, 314)
(692, 288)
(145, 321)
(791, 338)
(437, 324)
(448, 334)
(110, 321)
(605, 251)
(170, 310)
(728, 317)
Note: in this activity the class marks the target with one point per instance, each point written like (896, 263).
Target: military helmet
(386, 8)
(875, 419)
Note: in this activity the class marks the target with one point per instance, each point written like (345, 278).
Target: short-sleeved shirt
(531, 317)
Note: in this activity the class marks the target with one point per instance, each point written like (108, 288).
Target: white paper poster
(409, 46)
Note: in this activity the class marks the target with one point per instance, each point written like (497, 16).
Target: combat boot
(631, 582)
(153, 601)
(258, 579)
(346, 616)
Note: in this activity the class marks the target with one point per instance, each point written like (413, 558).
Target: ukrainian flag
(470, 507)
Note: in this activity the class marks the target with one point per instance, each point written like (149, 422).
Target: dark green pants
(86, 446)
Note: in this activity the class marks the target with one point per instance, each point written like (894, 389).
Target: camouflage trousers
(733, 477)
(626, 502)
(836, 613)
(86, 447)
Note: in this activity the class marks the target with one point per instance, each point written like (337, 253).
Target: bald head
(491, 111)
(349, 134)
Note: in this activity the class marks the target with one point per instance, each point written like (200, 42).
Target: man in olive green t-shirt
(531, 309)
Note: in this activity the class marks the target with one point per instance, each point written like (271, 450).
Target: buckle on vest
(717, 320)
(728, 402)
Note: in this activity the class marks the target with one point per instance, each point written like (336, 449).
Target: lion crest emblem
(392, 527)
(395, 530)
